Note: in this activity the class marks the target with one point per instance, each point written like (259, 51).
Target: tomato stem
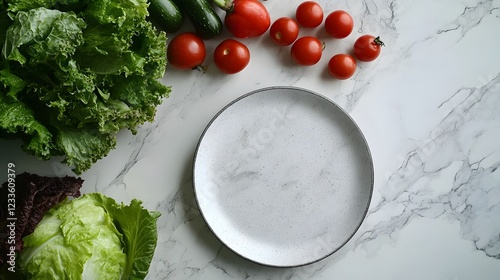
(226, 5)
(378, 41)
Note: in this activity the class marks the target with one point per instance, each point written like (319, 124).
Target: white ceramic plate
(283, 176)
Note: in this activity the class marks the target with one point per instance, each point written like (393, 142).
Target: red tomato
(247, 18)
(186, 51)
(309, 14)
(367, 48)
(307, 50)
(339, 24)
(284, 31)
(342, 66)
(231, 56)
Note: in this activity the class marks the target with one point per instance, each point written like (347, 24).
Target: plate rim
(303, 90)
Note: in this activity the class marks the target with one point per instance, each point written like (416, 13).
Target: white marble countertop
(428, 107)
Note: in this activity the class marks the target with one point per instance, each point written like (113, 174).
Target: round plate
(283, 176)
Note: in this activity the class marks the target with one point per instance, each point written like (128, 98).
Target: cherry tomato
(231, 56)
(342, 66)
(367, 48)
(309, 14)
(247, 18)
(307, 50)
(284, 31)
(339, 24)
(186, 51)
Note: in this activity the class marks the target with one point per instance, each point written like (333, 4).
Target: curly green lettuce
(75, 72)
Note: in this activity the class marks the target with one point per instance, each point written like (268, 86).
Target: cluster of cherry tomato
(187, 50)
(308, 50)
(245, 19)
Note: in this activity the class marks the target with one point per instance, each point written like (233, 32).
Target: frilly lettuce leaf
(17, 118)
(82, 146)
(78, 71)
(25, 5)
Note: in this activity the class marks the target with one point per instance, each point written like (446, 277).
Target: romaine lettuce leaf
(137, 224)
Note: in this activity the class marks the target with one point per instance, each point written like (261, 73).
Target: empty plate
(283, 176)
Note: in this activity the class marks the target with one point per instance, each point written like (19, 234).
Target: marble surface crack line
(470, 18)
(134, 157)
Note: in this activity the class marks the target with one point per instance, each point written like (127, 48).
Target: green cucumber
(166, 15)
(205, 20)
